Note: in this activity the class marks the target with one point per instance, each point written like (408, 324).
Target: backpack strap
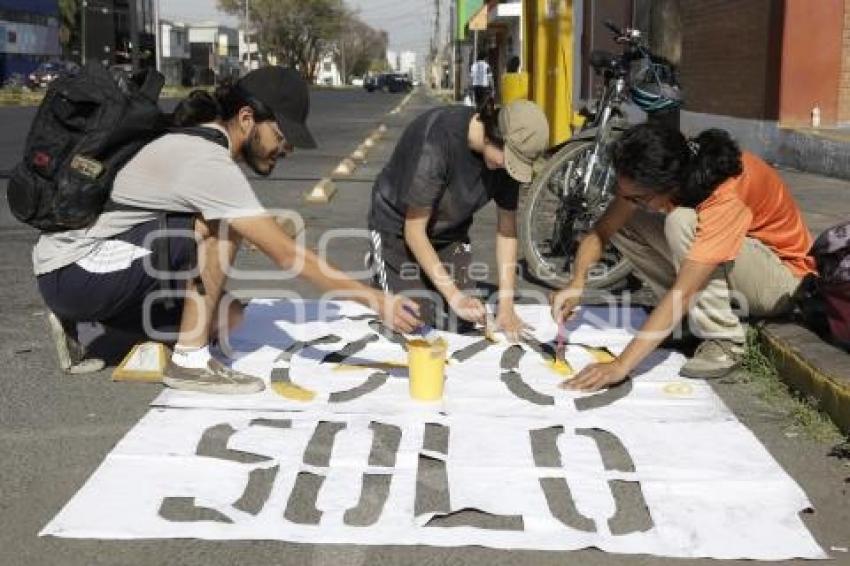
(210, 134)
(150, 84)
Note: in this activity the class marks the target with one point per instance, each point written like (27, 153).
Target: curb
(812, 367)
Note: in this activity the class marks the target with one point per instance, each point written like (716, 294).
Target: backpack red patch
(41, 159)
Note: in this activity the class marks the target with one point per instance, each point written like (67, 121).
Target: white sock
(195, 357)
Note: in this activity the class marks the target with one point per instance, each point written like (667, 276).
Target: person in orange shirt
(707, 227)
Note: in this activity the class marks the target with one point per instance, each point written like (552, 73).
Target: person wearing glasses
(186, 190)
(449, 163)
(708, 228)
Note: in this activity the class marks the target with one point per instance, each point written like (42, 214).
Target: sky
(410, 23)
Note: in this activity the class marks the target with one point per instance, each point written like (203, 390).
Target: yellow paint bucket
(426, 363)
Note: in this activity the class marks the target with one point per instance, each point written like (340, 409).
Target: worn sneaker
(70, 353)
(215, 378)
(712, 359)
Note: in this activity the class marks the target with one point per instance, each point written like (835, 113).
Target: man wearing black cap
(186, 189)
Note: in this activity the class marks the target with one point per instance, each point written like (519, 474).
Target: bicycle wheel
(558, 212)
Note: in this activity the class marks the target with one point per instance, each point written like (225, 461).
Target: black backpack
(87, 127)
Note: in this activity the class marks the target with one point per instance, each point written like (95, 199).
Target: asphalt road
(56, 429)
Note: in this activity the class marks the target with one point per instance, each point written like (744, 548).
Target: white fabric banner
(657, 466)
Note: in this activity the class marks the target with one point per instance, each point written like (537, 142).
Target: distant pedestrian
(513, 64)
(707, 227)
(482, 79)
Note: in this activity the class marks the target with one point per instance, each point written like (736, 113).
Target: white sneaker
(215, 378)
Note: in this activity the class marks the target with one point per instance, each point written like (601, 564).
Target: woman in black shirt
(449, 163)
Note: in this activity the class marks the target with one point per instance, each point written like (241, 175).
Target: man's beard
(252, 153)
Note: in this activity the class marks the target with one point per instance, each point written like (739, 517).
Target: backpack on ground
(87, 127)
(825, 299)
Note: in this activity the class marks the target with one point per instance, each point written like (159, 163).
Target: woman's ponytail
(488, 114)
(201, 107)
(714, 157)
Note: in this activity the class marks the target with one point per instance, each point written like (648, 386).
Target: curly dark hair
(663, 161)
(488, 113)
(200, 106)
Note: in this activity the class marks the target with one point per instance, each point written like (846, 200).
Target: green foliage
(296, 32)
(69, 11)
(360, 48)
(762, 376)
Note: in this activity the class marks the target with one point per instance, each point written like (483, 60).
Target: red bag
(831, 251)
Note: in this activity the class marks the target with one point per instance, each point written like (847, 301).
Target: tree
(297, 32)
(69, 36)
(359, 45)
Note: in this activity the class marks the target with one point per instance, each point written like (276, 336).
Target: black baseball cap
(286, 94)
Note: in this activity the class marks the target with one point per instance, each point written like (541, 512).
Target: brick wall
(844, 87)
(731, 57)
(811, 61)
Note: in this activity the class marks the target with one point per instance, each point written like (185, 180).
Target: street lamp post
(157, 37)
(84, 7)
(249, 62)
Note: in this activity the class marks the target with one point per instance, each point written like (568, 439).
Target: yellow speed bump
(322, 193)
(359, 154)
(346, 167)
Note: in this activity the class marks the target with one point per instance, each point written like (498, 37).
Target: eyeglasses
(641, 200)
(285, 147)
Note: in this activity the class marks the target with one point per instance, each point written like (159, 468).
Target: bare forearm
(289, 256)
(325, 276)
(506, 257)
(430, 263)
(657, 327)
(670, 310)
(588, 254)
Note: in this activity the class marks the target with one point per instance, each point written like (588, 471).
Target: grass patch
(763, 378)
(19, 96)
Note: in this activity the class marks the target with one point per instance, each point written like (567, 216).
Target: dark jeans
(480, 94)
(395, 270)
(117, 298)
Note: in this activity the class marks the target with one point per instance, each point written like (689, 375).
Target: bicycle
(572, 191)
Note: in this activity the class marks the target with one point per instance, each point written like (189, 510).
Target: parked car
(375, 82)
(48, 72)
(388, 82)
(398, 82)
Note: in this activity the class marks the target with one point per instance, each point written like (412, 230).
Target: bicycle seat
(601, 60)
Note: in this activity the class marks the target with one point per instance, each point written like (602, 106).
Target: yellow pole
(549, 60)
(562, 70)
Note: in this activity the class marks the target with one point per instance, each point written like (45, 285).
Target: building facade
(407, 63)
(249, 51)
(328, 73)
(108, 29)
(214, 51)
(29, 35)
(175, 58)
(770, 72)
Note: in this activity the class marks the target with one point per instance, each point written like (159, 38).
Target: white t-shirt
(480, 72)
(177, 173)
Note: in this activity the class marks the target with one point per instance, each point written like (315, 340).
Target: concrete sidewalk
(817, 370)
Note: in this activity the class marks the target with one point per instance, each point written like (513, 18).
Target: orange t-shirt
(755, 204)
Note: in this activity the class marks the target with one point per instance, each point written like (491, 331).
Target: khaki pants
(762, 286)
